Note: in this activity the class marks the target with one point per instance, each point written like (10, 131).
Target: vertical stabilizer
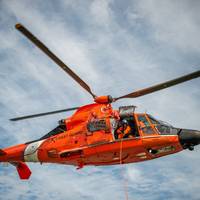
(22, 169)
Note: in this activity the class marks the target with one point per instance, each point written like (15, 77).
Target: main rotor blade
(42, 47)
(161, 86)
(43, 114)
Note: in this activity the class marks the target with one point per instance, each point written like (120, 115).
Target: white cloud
(114, 57)
(173, 22)
(101, 12)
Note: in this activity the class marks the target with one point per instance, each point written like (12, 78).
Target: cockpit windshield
(156, 121)
(164, 128)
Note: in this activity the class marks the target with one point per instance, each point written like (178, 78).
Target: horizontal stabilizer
(22, 169)
(2, 152)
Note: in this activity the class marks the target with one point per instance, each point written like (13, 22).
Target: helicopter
(90, 136)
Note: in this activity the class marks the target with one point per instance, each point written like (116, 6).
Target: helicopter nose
(189, 138)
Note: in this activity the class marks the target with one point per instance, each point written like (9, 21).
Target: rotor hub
(104, 99)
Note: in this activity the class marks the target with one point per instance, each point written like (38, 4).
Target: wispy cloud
(116, 48)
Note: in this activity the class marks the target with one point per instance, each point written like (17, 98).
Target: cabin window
(97, 125)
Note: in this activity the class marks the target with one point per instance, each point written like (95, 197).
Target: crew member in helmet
(124, 130)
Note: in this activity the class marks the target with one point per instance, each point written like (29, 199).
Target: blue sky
(116, 47)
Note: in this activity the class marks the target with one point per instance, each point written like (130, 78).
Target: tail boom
(13, 154)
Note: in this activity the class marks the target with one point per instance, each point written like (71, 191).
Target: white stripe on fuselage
(31, 151)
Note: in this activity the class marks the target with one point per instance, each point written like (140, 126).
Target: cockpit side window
(144, 125)
(143, 121)
(153, 120)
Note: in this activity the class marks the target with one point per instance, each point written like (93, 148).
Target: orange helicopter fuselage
(82, 145)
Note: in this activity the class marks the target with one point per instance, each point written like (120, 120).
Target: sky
(116, 47)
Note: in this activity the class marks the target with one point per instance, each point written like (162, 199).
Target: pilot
(124, 130)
